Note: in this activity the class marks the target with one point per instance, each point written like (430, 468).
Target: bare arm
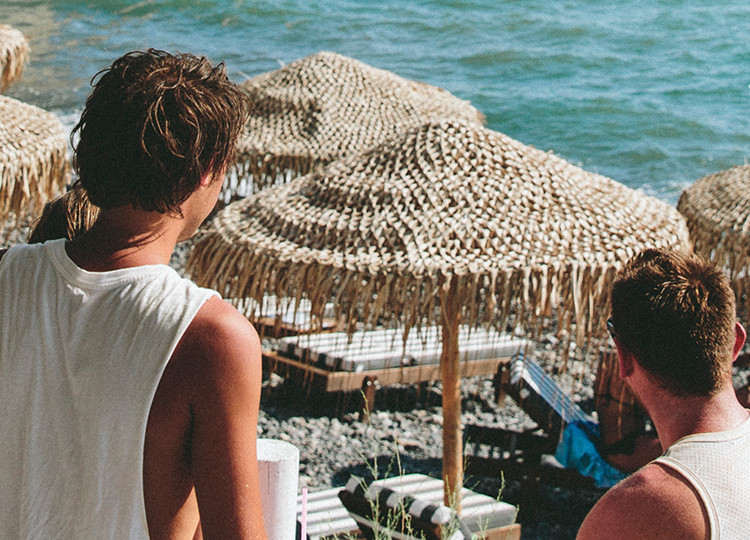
(653, 503)
(225, 410)
(200, 454)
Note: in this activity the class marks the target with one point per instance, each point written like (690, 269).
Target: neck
(678, 417)
(125, 237)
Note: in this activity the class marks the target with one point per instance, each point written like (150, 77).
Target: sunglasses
(611, 328)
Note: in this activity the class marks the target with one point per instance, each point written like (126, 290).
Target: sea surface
(653, 94)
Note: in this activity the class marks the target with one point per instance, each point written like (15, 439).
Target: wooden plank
(342, 381)
(275, 328)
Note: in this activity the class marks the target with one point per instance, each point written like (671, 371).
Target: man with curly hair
(130, 395)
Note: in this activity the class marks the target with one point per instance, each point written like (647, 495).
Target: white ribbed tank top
(717, 465)
(81, 355)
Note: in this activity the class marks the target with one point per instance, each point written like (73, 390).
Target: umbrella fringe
(26, 184)
(412, 301)
(14, 53)
(727, 248)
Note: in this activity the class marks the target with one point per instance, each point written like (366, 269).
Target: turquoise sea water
(653, 94)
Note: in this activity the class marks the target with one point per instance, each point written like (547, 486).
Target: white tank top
(81, 355)
(717, 465)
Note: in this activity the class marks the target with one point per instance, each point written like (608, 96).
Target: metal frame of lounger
(539, 395)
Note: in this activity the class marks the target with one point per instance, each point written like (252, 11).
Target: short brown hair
(675, 313)
(154, 125)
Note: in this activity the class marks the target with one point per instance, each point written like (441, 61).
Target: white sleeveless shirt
(717, 465)
(81, 355)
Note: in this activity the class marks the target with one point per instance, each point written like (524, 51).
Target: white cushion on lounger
(384, 348)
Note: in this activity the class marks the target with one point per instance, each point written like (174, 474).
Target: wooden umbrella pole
(450, 368)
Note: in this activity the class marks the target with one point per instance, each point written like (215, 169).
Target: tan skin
(199, 452)
(655, 502)
(200, 470)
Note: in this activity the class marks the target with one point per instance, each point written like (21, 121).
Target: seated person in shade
(673, 324)
(625, 441)
(130, 395)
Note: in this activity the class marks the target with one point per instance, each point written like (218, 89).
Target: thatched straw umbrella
(327, 106)
(14, 52)
(717, 211)
(449, 222)
(33, 157)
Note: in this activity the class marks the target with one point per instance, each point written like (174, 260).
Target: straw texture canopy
(717, 211)
(14, 52)
(33, 157)
(327, 106)
(446, 204)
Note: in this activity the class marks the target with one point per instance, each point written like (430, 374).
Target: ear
(207, 179)
(212, 175)
(625, 360)
(739, 340)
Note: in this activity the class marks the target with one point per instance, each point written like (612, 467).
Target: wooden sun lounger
(326, 516)
(490, 519)
(330, 363)
(521, 454)
(384, 348)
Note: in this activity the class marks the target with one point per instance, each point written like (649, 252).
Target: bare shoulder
(654, 502)
(217, 315)
(219, 331)
(219, 351)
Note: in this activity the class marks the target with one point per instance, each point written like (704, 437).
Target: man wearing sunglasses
(673, 324)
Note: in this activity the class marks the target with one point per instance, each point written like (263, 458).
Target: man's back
(81, 355)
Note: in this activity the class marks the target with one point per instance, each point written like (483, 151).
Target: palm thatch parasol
(327, 106)
(14, 52)
(449, 222)
(34, 163)
(717, 210)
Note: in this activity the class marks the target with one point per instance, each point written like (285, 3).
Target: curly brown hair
(675, 313)
(154, 125)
